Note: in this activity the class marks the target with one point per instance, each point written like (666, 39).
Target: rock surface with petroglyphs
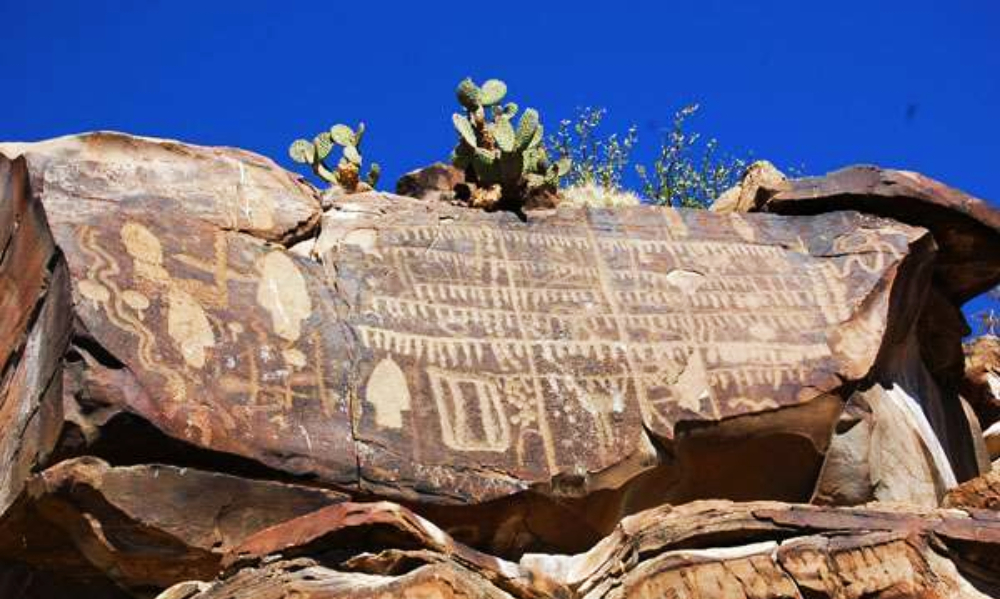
(195, 348)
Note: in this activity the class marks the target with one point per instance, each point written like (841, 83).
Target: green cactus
(468, 94)
(492, 92)
(527, 128)
(503, 165)
(342, 135)
(347, 172)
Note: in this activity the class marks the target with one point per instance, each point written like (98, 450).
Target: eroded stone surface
(981, 384)
(967, 229)
(441, 355)
(144, 525)
(603, 323)
(521, 385)
(715, 548)
(231, 188)
(982, 492)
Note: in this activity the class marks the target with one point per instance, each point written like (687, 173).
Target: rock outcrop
(703, 549)
(206, 364)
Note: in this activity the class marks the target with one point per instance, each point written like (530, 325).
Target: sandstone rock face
(145, 525)
(771, 550)
(884, 450)
(982, 492)
(202, 365)
(981, 384)
(966, 229)
(435, 182)
(752, 190)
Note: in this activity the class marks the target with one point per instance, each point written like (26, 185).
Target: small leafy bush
(504, 166)
(987, 321)
(684, 174)
(347, 173)
(596, 162)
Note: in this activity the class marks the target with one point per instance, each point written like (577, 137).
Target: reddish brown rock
(982, 492)
(585, 363)
(521, 384)
(705, 549)
(143, 526)
(84, 176)
(967, 229)
(981, 384)
(435, 182)
(35, 315)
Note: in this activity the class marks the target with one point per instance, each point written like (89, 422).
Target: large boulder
(522, 384)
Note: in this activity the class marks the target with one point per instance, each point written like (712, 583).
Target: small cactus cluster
(504, 166)
(347, 174)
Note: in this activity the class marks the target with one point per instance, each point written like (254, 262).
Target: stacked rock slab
(703, 549)
(176, 380)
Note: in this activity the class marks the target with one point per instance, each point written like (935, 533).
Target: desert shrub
(596, 161)
(685, 172)
(987, 320)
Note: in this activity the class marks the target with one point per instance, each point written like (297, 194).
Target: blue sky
(911, 84)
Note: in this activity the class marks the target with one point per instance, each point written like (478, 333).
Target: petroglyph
(470, 411)
(510, 330)
(282, 292)
(388, 394)
(188, 325)
(146, 252)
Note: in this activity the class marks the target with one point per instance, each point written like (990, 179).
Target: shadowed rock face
(520, 385)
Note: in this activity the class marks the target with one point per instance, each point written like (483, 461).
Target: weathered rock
(435, 182)
(36, 312)
(752, 191)
(144, 526)
(705, 549)
(982, 492)
(966, 229)
(86, 176)
(992, 438)
(981, 384)
(884, 450)
(581, 365)
(452, 303)
(967, 233)
(523, 385)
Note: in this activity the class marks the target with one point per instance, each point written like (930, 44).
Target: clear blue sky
(912, 84)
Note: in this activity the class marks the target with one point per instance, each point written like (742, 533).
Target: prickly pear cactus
(504, 164)
(347, 173)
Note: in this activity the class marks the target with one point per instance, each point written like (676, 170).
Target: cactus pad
(301, 151)
(492, 92)
(342, 135)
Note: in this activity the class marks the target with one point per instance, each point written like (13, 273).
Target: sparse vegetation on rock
(504, 165)
(347, 173)
(686, 173)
